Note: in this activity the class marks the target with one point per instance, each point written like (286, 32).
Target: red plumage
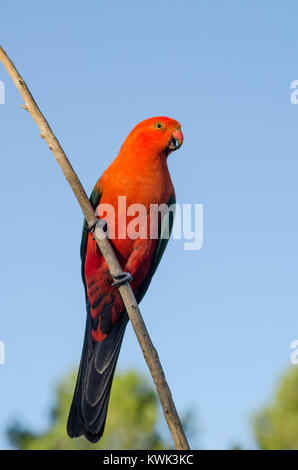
(139, 173)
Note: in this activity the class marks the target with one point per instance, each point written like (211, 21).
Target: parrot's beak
(176, 140)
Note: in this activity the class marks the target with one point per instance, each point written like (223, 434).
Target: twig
(149, 352)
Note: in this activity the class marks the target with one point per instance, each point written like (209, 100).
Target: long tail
(89, 406)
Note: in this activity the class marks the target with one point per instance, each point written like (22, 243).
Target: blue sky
(222, 318)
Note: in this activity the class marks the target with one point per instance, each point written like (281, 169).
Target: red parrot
(140, 173)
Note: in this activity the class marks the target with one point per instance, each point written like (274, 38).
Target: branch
(130, 303)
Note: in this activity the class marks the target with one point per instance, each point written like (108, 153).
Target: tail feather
(89, 407)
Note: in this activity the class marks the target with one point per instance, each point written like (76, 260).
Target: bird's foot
(102, 223)
(121, 278)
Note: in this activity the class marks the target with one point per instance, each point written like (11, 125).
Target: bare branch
(149, 352)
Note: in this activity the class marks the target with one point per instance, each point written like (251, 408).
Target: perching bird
(139, 173)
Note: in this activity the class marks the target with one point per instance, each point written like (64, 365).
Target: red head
(160, 135)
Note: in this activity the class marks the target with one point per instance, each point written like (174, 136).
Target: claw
(121, 278)
(103, 224)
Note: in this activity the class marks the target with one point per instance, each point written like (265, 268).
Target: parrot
(140, 173)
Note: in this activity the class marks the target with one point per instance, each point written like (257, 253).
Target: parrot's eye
(159, 125)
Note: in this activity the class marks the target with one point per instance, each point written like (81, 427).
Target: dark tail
(89, 406)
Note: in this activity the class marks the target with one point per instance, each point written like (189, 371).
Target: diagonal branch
(149, 352)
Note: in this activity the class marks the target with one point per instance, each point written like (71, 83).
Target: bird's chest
(132, 207)
(133, 194)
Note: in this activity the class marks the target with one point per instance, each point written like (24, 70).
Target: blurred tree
(276, 426)
(131, 424)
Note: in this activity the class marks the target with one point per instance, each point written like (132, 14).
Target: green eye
(159, 125)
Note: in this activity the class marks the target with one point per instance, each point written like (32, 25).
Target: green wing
(166, 227)
(94, 199)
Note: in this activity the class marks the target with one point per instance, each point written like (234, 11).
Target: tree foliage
(131, 422)
(276, 426)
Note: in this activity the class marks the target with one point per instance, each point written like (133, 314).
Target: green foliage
(131, 423)
(276, 426)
